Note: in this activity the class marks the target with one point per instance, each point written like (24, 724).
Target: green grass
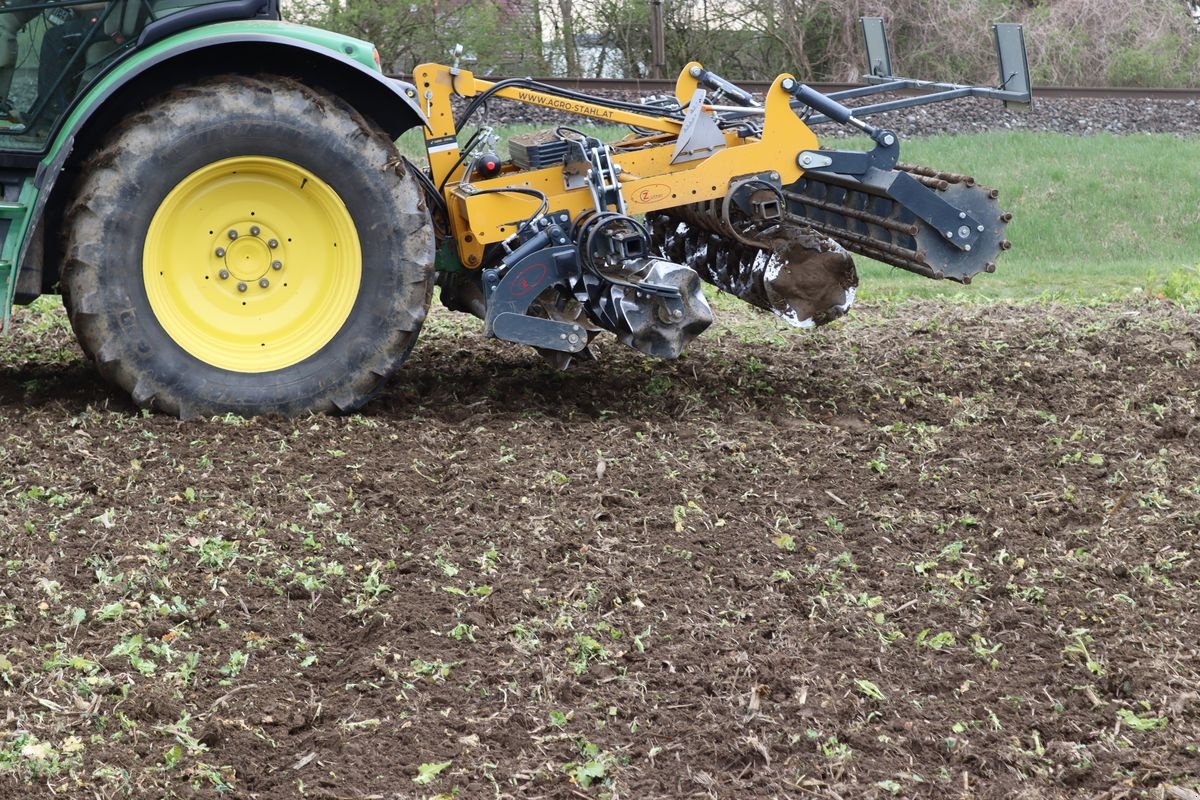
(1093, 217)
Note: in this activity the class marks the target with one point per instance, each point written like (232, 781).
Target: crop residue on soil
(935, 551)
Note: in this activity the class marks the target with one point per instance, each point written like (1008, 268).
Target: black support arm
(714, 82)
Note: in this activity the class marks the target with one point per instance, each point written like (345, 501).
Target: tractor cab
(51, 51)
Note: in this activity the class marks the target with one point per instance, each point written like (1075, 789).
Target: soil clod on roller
(801, 276)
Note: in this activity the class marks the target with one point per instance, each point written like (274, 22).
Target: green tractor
(217, 196)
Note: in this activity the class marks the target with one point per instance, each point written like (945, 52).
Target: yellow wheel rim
(252, 264)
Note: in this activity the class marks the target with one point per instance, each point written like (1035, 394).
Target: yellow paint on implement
(649, 181)
(252, 264)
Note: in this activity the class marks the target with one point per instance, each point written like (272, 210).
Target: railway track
(663, 86)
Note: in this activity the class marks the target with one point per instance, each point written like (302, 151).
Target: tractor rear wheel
(248, 246)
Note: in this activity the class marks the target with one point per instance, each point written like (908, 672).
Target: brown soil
(932, 551)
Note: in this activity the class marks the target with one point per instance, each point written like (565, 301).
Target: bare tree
(570, 45)
(1087, 42)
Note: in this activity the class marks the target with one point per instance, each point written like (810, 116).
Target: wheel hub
(252, 255)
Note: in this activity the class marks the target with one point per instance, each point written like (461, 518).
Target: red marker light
(488, 165)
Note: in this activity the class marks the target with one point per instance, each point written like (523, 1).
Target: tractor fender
(251, 48)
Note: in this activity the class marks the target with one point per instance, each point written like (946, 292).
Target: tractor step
(7, 278)
(12, 216)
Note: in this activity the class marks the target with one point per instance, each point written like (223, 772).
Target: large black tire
(111, 274)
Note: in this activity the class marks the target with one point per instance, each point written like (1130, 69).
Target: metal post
(658, 40)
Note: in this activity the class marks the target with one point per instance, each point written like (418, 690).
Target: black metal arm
(735, 94)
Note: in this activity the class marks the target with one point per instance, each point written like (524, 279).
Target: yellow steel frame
(649, 181)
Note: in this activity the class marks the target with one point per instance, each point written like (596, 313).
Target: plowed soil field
(933, 550)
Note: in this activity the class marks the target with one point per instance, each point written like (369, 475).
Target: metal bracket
(544, 260)
(852, 162)
(957, 227)
(700, 135)
(813, 160)
(589, 163)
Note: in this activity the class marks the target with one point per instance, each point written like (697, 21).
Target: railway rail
(663, 86)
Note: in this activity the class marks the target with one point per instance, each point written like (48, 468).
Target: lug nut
(223, 274)
(220, 252)
(276, 265)
(273, 243)
(232, 235)
(254, 230)
(241, 286)
(263, 282)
